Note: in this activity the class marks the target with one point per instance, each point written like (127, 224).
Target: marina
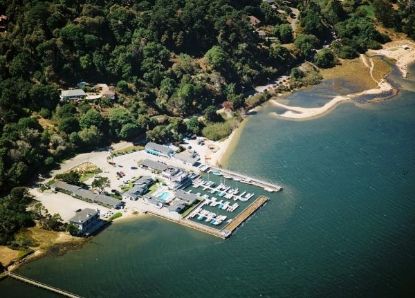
(204, 198)
(216, 220)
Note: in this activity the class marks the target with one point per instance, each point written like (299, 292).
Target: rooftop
(188, 198)
(73, 93)
(83, 215)
(87, 194)
(155, 165)
(160, 148)
(188, 157)
(146, 180)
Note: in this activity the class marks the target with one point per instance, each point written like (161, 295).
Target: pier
(41, 285)
(194, 225)
(270, 187)
(244, 215)
(229, 229)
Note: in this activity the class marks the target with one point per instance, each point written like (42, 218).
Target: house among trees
(106, 91)
(72, 94)
(3, 22)
(86, 222)
(254, 21)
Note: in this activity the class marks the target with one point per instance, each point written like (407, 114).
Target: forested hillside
(170, 60)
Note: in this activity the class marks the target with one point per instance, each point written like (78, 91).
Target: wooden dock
(42, 285)
(229, 229)
(194, 225)
(244, 215)
(249, 180)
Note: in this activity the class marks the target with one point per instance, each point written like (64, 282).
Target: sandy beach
(403, 51)
(300, 113)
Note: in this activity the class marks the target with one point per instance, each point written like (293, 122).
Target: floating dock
(244, 215)
(270, 187)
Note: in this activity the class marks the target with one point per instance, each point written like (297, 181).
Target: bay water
(344, 225)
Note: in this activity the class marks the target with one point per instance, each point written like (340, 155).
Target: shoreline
(396, 50)
(61, 245)
(301, 113)
(401, 51)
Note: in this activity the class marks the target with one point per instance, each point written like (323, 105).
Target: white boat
(225, 206)
(233, 207)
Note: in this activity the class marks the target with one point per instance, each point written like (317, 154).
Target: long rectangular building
(153, 165)
(158, 150)
(86, 195)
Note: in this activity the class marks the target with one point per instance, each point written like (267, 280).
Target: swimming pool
(165, 196)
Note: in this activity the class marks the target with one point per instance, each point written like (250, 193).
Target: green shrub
(115, 216)
(219, 130)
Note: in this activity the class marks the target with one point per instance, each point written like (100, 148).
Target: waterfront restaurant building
(158, 150)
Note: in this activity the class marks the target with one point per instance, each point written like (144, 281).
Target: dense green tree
(91, 117)
(284, 33)
(70, 177)
(193, 125)
(68, 125)
(90, 136)
(14, 214)
(306, 43)
(385, 13)
(217, 58)
(325, 58)
(129, 131)
(211, 114)
(296, 73)
(117, 118)
(100, 182)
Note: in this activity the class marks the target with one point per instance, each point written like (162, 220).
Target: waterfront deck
(41, 285)
(244, 215)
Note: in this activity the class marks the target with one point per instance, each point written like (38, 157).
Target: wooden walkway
(193, 225)
(249, 180)
(244, 215)
(42, 285)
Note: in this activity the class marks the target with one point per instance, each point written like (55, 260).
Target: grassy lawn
(86, 170)
(190, 209)
(154, 187)
(115, 216)
(127, 150)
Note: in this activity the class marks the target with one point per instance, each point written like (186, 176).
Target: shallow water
(343, 226)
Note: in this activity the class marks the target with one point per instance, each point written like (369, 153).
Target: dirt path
(293, 21)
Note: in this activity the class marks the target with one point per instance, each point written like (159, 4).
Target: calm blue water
(343, 226)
